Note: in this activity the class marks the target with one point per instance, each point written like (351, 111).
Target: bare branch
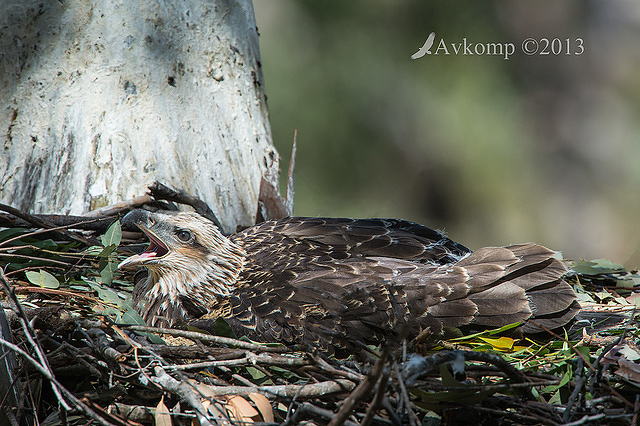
(234, 343)
(160, 191)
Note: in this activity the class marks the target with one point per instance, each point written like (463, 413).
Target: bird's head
(190, 264)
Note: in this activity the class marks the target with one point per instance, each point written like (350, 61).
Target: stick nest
(73, 351)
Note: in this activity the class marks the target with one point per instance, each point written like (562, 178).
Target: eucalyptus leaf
(130, 317)
(113, 235)
(105, 294)
(42, 279)
(79, 288)
(106, 251)
(108, 272)
(47, 244)
(5, 234)
(93, 250)
(597, 267)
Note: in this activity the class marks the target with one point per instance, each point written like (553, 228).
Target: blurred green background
(539, 148)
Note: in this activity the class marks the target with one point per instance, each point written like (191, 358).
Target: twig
(42, 223)
(305, 391)
(60, 222)
(56, 385)
(483, 387)
(60, 263)
(36, 346)
(160, 191)
(116, 420)
(183, 390)
(292, 403)
(119, 208)
(516, 416)
(579, 383)
(57, 292)
(361, 391)
(316, 411)
(573, 348)
(249, 359)
(586, 419)
(291, 176)
(377, 399)
(195, 352)
(415, 369)
(234, 343)
(137, 413)
(413, 421)
(325, 366)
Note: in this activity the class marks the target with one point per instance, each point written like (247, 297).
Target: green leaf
(447, 377)
(108, 272)
(5, 234)
(113, 235)
(106, 251)
(47, 244)
(105, 294)
(130, 317)
(79, 288)
(42, 279)
(597, 267)
(566, 378)
(93, 250)
(255, 373)
(504, 328)
(486, 332)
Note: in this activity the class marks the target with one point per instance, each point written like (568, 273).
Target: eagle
(339, 285)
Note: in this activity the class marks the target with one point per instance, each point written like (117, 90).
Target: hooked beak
(156, 249)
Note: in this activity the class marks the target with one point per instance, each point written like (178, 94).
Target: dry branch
(234, 343)
(160, 191)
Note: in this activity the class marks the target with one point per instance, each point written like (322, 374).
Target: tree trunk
(98, 99)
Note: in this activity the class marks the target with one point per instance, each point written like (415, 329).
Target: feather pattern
(337, 284)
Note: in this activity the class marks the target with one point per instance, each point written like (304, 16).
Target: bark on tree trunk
(98, 99)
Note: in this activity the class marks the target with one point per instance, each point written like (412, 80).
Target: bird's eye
(183, 235)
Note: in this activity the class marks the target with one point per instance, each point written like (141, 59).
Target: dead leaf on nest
(628, 370)
(238, 408)
(263, 405)
(241, 409)
(163, 415)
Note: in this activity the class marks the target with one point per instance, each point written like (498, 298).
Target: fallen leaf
(629, 353)
(42, 279)
(241, 409)
(628, 370)
(263, 405)
(163, 415)
(597, 267)
(634, 299)
(501, 343)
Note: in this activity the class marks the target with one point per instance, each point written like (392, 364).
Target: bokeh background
(539, 148)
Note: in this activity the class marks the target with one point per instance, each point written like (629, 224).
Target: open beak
(156, 248)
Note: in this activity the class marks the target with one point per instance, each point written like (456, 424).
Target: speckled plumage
(340, 283)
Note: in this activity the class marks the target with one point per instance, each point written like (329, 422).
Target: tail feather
(551, 321)
(520, 283)
(551, 299)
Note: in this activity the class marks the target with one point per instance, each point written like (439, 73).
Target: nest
(74, 351)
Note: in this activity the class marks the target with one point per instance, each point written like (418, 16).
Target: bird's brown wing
(336, 238)
(349, 302)
(341, 305)
(346, 282)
